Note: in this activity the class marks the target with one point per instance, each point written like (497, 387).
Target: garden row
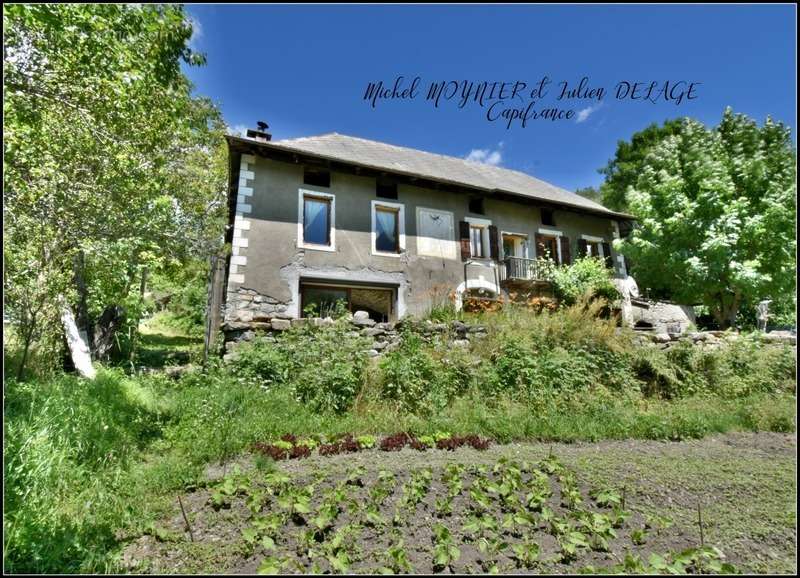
(510, 516)
(290, 446)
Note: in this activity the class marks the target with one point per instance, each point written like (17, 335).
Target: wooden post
(214, 308)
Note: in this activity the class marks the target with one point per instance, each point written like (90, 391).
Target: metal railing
(519, 268)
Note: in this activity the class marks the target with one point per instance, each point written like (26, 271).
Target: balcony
(515, 269)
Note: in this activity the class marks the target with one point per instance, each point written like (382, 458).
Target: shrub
(585, 276)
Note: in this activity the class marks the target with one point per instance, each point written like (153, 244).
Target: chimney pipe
(259, 134)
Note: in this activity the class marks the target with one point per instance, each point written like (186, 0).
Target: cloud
(486, 156)
(197, 30)
(237, 130)
(584, 113)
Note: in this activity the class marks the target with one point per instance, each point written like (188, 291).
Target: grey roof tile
(435, 167)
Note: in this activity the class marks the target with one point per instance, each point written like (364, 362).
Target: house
(389, 230)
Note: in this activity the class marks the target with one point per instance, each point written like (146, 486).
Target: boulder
(281, 324)
(373, 331)
(360, 322)
(661, 337)
(360, 315)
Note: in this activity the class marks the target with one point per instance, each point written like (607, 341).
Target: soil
(743, 485)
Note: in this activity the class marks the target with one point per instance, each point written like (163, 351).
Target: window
(387, 239)
(548, 218)
(388, 228)
(476, 241)
(319, 298)
(547, 247)
(316, 177)
(386, 189)
(476, 205)
(316, 220)
(594, 249)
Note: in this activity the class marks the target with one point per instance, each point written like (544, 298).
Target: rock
(235, 326)
(387, 326)
(373, 353)
(779, 337)
(281, 324)
(230, 357)
(476, 329)
(380, 345)
(661, 338)
(360, 322)
(175, 371)
(246, 316)
(360, 315)
(260, 326)
(373, 331)
(461, 343)
(299, 322)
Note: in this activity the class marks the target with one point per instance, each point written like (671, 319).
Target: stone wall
(385, 336)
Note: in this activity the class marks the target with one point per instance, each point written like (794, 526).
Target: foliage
(716, 215)
(112, 167)
(419, 379)
(623, 170)
(585, 276)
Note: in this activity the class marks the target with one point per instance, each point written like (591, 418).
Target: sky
(305, 69)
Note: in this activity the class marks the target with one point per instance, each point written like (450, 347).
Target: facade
(389, 230)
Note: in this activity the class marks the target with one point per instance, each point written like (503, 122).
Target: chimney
(259, 134)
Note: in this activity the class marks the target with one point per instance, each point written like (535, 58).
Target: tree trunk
(726, 309)
(77, 342)
(83, 320)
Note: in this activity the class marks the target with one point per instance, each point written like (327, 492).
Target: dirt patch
(743, 483)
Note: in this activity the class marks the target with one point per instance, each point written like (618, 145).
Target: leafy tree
(716, 210)
(623, 170)
(112, 166)
(590, 193)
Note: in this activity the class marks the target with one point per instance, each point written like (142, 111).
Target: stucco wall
(269, 265)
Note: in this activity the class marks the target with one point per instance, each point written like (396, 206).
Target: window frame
(331, 199)
(483, 225)
(400, 220)
(598, 242)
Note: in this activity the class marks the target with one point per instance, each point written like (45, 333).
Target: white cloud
(486, 156)
(584, 113)
(197, 30)
(237, 130)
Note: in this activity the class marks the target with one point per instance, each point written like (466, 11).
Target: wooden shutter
(566, 258)
(463, 233)
(607, 255)
(582, 248)
(494, 243)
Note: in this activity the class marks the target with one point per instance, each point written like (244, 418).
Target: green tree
(623, 170)
(590, 193)
(112, 166)
(716, 215)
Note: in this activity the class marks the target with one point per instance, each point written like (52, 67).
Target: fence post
(214, 307)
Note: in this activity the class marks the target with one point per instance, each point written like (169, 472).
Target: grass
(90, 464)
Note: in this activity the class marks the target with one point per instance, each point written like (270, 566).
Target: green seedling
(309, 443)
(398, 560)
(639, 536)
(270, 565)
(526, 554)
(606, 497)
(570, 544)
(366, 442)
(280, 444)
(445, 552)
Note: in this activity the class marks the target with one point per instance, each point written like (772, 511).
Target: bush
(585, 276)
(420, 379)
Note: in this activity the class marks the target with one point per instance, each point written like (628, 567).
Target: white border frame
(485, 224)
(599, 241)
(452, 236)
(301, 244)
(526, 245)
(401, 227)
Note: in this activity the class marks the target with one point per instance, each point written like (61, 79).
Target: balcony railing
(520, 269)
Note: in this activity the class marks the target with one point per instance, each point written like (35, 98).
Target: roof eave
(232, 139)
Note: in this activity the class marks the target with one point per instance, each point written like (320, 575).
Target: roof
(446, 169)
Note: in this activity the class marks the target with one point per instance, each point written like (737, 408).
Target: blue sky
(304, 70)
